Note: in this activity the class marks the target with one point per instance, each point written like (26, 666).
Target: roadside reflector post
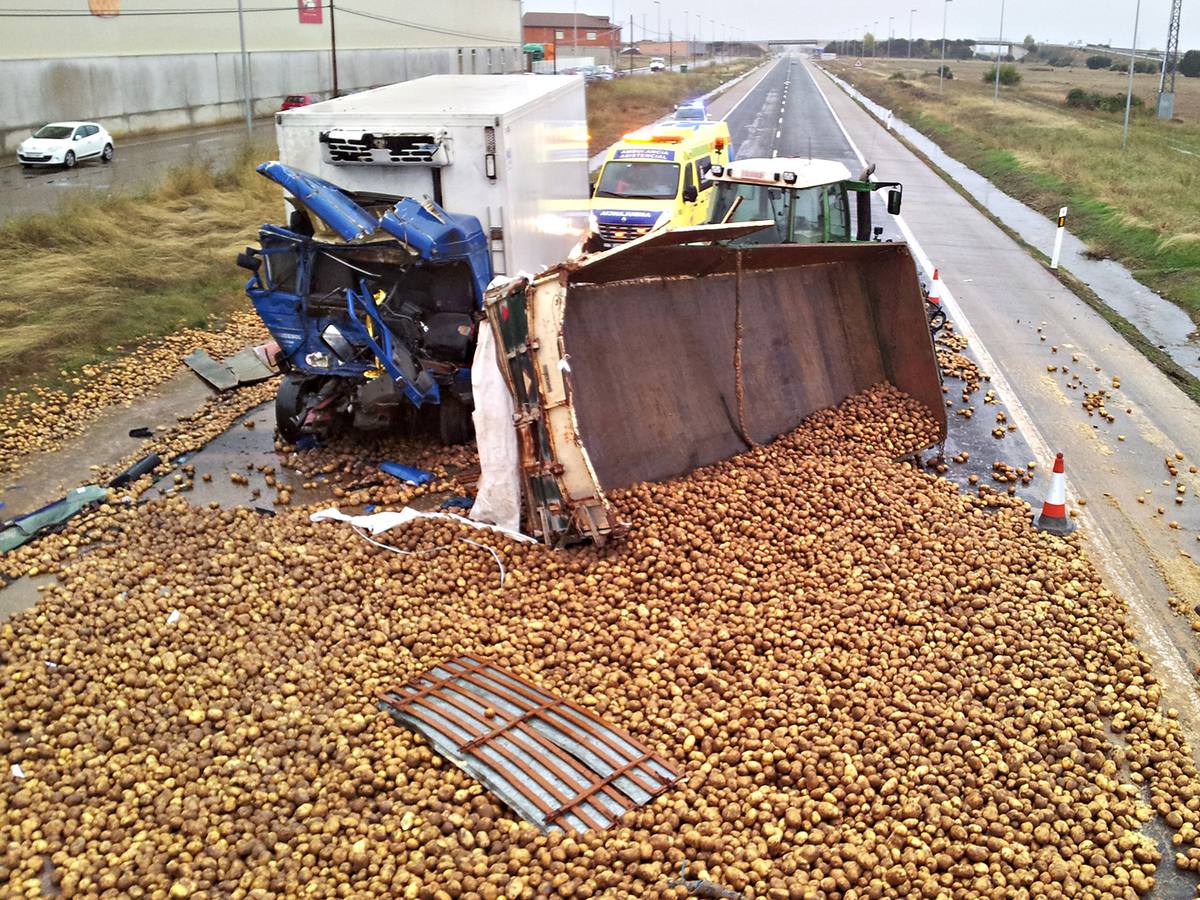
(1058, 237)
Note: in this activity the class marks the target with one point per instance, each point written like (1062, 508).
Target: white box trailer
(510, 150)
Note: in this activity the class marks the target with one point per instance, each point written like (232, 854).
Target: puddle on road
(1166, 325)
(249, 454)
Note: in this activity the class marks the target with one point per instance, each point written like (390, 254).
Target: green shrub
(1099, 62)
(896, 76)
(945, 72)
(1061, 61)
(1009, 76)
(1081, 99)
(1189, 66)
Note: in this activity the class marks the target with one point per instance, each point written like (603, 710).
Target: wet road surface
(137, 164)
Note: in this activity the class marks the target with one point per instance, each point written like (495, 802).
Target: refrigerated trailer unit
(510, 150)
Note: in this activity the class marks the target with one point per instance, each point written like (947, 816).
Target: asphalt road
(1045, 349)
(137, 164)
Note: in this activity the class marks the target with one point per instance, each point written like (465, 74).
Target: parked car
(605, 73)
(657, 64)
(292, 101)
(65, 144)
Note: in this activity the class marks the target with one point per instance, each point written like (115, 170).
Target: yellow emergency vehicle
(657, 176)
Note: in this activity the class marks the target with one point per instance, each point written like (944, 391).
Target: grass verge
(1140, 207)
(1183, 379)
(105, 271)
(623, 104)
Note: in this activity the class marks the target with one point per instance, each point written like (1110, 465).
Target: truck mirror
(893, 202)
(591, 188)
(690, 194)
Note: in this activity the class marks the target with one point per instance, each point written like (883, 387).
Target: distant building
(991, 51)
(592, 35)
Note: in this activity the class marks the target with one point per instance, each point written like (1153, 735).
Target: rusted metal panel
(550, 760)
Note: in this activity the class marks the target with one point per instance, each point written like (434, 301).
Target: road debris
(833, 647)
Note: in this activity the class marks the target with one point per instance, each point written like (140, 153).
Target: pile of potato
(874, 684)
(41, 419)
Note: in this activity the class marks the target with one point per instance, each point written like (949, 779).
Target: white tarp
(378, 523)
(498, 496)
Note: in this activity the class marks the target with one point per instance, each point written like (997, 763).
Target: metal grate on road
(550, 760)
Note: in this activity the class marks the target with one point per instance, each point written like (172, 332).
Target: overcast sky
(1059, 21)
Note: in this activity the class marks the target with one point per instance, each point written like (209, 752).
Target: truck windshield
(639, 180)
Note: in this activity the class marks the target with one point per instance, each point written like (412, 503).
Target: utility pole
(999, 45)
(575, 28)
(333, 47)
(670, 48)
(687, 44)
(1166, 91)
(889, 46)
(631, 44)
(942, 67)
(1137, 14)
(247, 89)
(910, 32)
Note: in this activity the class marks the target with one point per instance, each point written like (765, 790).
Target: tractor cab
(805, 201)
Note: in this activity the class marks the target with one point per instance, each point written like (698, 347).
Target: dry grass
(623, 104)
(1139, 206)
(105, 271)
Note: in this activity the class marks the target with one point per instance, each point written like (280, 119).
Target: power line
(28, 13)
(388, 19)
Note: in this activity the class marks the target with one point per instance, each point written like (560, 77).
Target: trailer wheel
(454, 421)
(292, 403)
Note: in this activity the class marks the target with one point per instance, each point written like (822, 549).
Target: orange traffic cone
(935, 289)
(1053, 517)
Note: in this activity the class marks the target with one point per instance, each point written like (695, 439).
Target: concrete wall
(64, 29)
(131, 94)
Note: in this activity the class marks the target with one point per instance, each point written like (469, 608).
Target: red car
(294, 100)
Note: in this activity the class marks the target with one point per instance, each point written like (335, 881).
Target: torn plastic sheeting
(378, 523)
(26, 527)
(411, 474)
(498, 493)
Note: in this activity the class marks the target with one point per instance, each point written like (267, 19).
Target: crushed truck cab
(655, 177)
(374, 303)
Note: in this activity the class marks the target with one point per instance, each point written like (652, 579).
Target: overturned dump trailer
(677, 351)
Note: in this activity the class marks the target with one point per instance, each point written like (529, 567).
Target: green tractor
(807, 200)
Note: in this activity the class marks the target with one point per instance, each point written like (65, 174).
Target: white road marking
(748, 93)
(1155, 634)
(777, 135)
(210, 141)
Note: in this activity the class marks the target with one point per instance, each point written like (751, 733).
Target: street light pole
(575, 28)
(1132, 56)
(658, 27)
(942, 67)
(712, 29)
(998, 46)
(889, 47)
(247, 91)
(910, 32)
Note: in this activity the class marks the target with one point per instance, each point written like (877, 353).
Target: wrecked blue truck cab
(375, 302)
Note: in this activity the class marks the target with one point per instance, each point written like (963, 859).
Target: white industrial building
(143, 65)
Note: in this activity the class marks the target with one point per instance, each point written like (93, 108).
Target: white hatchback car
(65, 144)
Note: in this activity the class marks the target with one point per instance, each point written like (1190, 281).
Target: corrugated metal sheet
(550, 760)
